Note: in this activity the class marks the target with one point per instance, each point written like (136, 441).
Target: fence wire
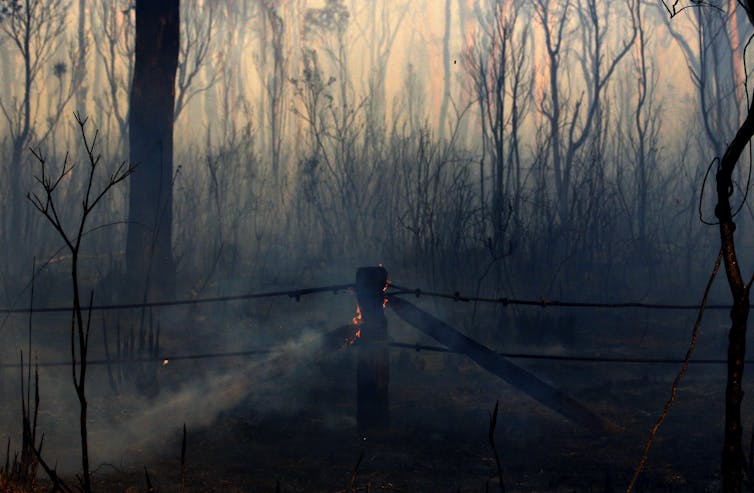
(293, 293)
(297, 294)
(395, 290)
(572, 358)
(167, 359)
(162, 360)
(544, 303)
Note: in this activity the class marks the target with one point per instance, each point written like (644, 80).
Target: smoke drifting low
(129, 429)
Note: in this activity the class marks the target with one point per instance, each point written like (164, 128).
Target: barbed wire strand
(163, 360)
(544, 303)
(574, 358)
(400, 345)
(400, 290)
(294, 293)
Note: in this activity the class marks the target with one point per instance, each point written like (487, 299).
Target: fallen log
(500, 366)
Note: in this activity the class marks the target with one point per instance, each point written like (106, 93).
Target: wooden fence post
(372, 374)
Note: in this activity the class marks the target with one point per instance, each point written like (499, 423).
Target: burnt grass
(438, 440)
(440, 405)
(438, 443)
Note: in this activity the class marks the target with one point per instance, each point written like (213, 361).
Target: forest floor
(262, 427)
(438, 442)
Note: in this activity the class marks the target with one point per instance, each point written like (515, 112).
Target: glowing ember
(357, 319)
(356, 322)
(165, 362)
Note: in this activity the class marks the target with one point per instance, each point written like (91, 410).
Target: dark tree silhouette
(148, 248)
(34, 29)
(733, 454)
(732, 462)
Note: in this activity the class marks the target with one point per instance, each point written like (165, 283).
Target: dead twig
(677, 381)
(58, 484)
(491, 437)
(183, 462)
(355, 472)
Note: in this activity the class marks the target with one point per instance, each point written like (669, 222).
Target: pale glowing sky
(418, 41)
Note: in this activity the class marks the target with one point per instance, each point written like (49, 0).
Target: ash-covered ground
(288, 417)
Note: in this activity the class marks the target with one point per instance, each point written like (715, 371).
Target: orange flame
(357, 319)
(356, 322)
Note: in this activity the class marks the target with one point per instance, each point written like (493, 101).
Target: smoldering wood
(373, 373)
(500, 366)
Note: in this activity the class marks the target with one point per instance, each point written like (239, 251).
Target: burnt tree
(733, 454)
(148, 250)
(732, 460)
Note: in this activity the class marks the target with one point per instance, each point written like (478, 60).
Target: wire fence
(573, 358)
(396, 290)
(167, 359)
(544, 303)
(297, 294)
(162, 360)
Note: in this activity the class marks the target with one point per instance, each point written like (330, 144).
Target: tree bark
(148, 250)
(732, 456)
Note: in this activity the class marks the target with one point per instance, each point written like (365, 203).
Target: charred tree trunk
(732, 460)
(148, 249)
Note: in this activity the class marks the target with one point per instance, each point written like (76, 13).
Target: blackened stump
(373, 370)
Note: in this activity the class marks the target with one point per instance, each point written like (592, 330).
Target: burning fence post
(373, 370)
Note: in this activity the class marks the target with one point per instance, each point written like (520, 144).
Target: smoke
(128, 429)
